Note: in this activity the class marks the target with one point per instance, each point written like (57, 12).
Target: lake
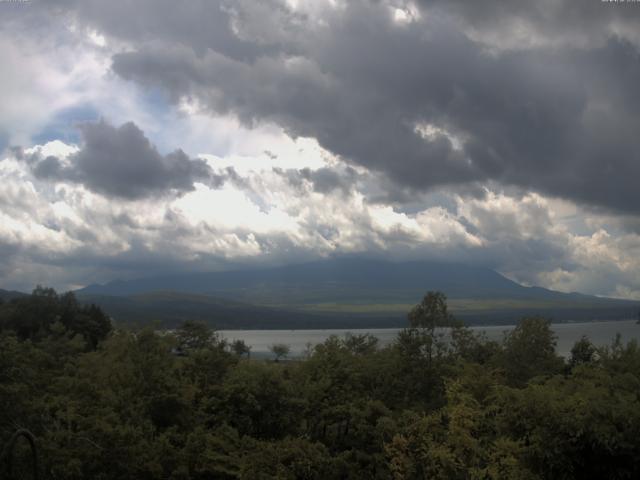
(600, 333)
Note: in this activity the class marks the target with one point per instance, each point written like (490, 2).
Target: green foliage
(289, 459)
(280, 350)
(361, 344)
(529, 351)
(457, 440)
(585, 426)
(240, 348)
(257, 400)
(435, 404)
(583, 351)
(192, 336)
(431, 312)
(41, 314)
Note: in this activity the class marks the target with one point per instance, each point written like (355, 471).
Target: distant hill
(11, 294)
(169, 309)
(353, 280)
(346, 292)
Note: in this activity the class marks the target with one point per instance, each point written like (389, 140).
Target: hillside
(169, 309)
(345, 280)
(6, 295)
(342, 293)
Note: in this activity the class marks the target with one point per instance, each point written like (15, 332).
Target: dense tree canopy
(185, 405)
(44, 312)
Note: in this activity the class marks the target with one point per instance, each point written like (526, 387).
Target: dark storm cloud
(558, 117)
(50, 167)
(121, 162)
(323, 180)
(326, 180)
(550, 20)
(198, 24)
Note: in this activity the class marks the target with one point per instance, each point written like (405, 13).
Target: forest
(107, 402)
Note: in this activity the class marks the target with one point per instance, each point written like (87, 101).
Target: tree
(472, 346)
(529, 351)
(90, 322)
(431, 312)
(240, 348)
(424, 318)
(257, 400)
(30, 317)
(280, 350)
(583, 351)
(34, 317)
(360, 344)
(192, 335)
(583, 425)
(291, 458)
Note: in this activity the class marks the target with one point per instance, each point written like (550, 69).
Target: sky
(156, 136)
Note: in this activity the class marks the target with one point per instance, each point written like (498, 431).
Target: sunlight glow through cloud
(301, 132)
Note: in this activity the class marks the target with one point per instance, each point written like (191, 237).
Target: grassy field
(349, 311)
(458, 305)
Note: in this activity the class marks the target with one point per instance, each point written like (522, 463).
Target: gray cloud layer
(121, 162)
(457, 109)
(554, 112)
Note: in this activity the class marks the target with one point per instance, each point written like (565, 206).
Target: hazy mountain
(349, 293)
(10, 294)
(169, 309)
(349, 279)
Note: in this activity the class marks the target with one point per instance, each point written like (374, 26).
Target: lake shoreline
(601, 333)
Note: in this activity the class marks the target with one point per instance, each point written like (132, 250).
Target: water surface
(600, 333)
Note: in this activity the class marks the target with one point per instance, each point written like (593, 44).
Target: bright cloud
(281, 131)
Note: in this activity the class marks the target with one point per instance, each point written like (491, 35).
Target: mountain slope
(6, 295)
(169, 309)
(354, 280)
(342, 293)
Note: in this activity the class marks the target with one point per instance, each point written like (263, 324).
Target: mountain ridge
(349, 293)
(456, 280)
(6, 295)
